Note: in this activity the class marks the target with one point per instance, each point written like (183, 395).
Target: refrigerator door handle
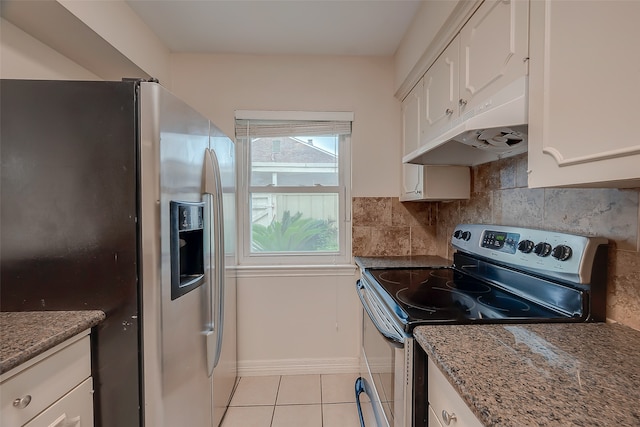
(215, 327)
(219, 256)
(209, 192)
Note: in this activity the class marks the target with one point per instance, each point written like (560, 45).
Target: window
(294, 190)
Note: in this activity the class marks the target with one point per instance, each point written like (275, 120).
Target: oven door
(385, 374)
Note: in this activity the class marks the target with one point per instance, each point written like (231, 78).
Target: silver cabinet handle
(22, 402)
(447, 418)
(448, 111)
(462, 102)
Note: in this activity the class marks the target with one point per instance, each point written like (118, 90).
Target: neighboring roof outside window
(290, 150)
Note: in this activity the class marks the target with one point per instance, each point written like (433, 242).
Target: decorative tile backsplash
(384, 226)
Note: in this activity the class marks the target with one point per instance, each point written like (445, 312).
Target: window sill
(295, 270)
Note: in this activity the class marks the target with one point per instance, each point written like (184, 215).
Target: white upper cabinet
(426, 182)
(435, 182)
(411, 114)
(411, 134)
(441, 92)
(493, 51)
(412, 180)
(583, 94)
(479, 81)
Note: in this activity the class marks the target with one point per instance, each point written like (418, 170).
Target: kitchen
(218, 84)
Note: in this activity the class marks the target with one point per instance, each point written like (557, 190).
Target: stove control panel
(500, 241)
(562, 255)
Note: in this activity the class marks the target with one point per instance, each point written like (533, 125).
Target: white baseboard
(249, 368)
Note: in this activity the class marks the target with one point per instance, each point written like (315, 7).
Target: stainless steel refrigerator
(118, 196)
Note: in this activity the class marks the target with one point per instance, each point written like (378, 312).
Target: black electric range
(500, 275)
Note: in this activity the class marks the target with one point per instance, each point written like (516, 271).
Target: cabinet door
(435, 182)
(411, 120)
(412, 176)
(583, 94)
(493, 50)
(445, 402)
(440, 94)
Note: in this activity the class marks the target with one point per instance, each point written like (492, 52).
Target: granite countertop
(585, 374)
(402, 261)
(24, 335)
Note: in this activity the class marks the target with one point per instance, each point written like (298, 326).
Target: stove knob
(562, 252)
(466, 235)
(542, 249)
(525, 246)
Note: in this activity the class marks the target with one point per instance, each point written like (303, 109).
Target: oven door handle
(391, 335)
(359, 386)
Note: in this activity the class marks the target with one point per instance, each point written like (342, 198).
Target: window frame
(343, 190)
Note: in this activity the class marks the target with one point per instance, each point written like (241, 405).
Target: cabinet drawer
(443, 397)
(74, 409)
(45, 381)
(433, 418)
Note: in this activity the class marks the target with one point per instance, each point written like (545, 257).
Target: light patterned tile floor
(294, 401)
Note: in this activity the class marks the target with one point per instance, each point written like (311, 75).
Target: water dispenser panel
(187, 247)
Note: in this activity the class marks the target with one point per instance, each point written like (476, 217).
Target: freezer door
(177, 385)
(69, 228)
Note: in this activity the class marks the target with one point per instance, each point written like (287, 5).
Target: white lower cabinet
(75, 409)
(434, 421)
(446, 407)
(54, 389)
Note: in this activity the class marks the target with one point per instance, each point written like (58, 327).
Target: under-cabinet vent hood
(495, 129)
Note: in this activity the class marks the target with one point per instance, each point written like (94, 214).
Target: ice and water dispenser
(187, 247)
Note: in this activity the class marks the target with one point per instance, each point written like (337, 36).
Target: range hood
(495, 129)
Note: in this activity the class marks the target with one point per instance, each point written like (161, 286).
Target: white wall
(23, 57)
(105, 37)
(116, 23)
(296, 322)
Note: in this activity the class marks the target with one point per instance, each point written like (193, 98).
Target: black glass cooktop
(445, 295)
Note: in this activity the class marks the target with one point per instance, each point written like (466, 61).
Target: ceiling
(279, 27)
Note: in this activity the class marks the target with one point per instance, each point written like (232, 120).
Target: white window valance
(265, 124)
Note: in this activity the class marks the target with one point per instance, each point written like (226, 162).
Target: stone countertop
(402, 261)
(585, 374)
(24, 335)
